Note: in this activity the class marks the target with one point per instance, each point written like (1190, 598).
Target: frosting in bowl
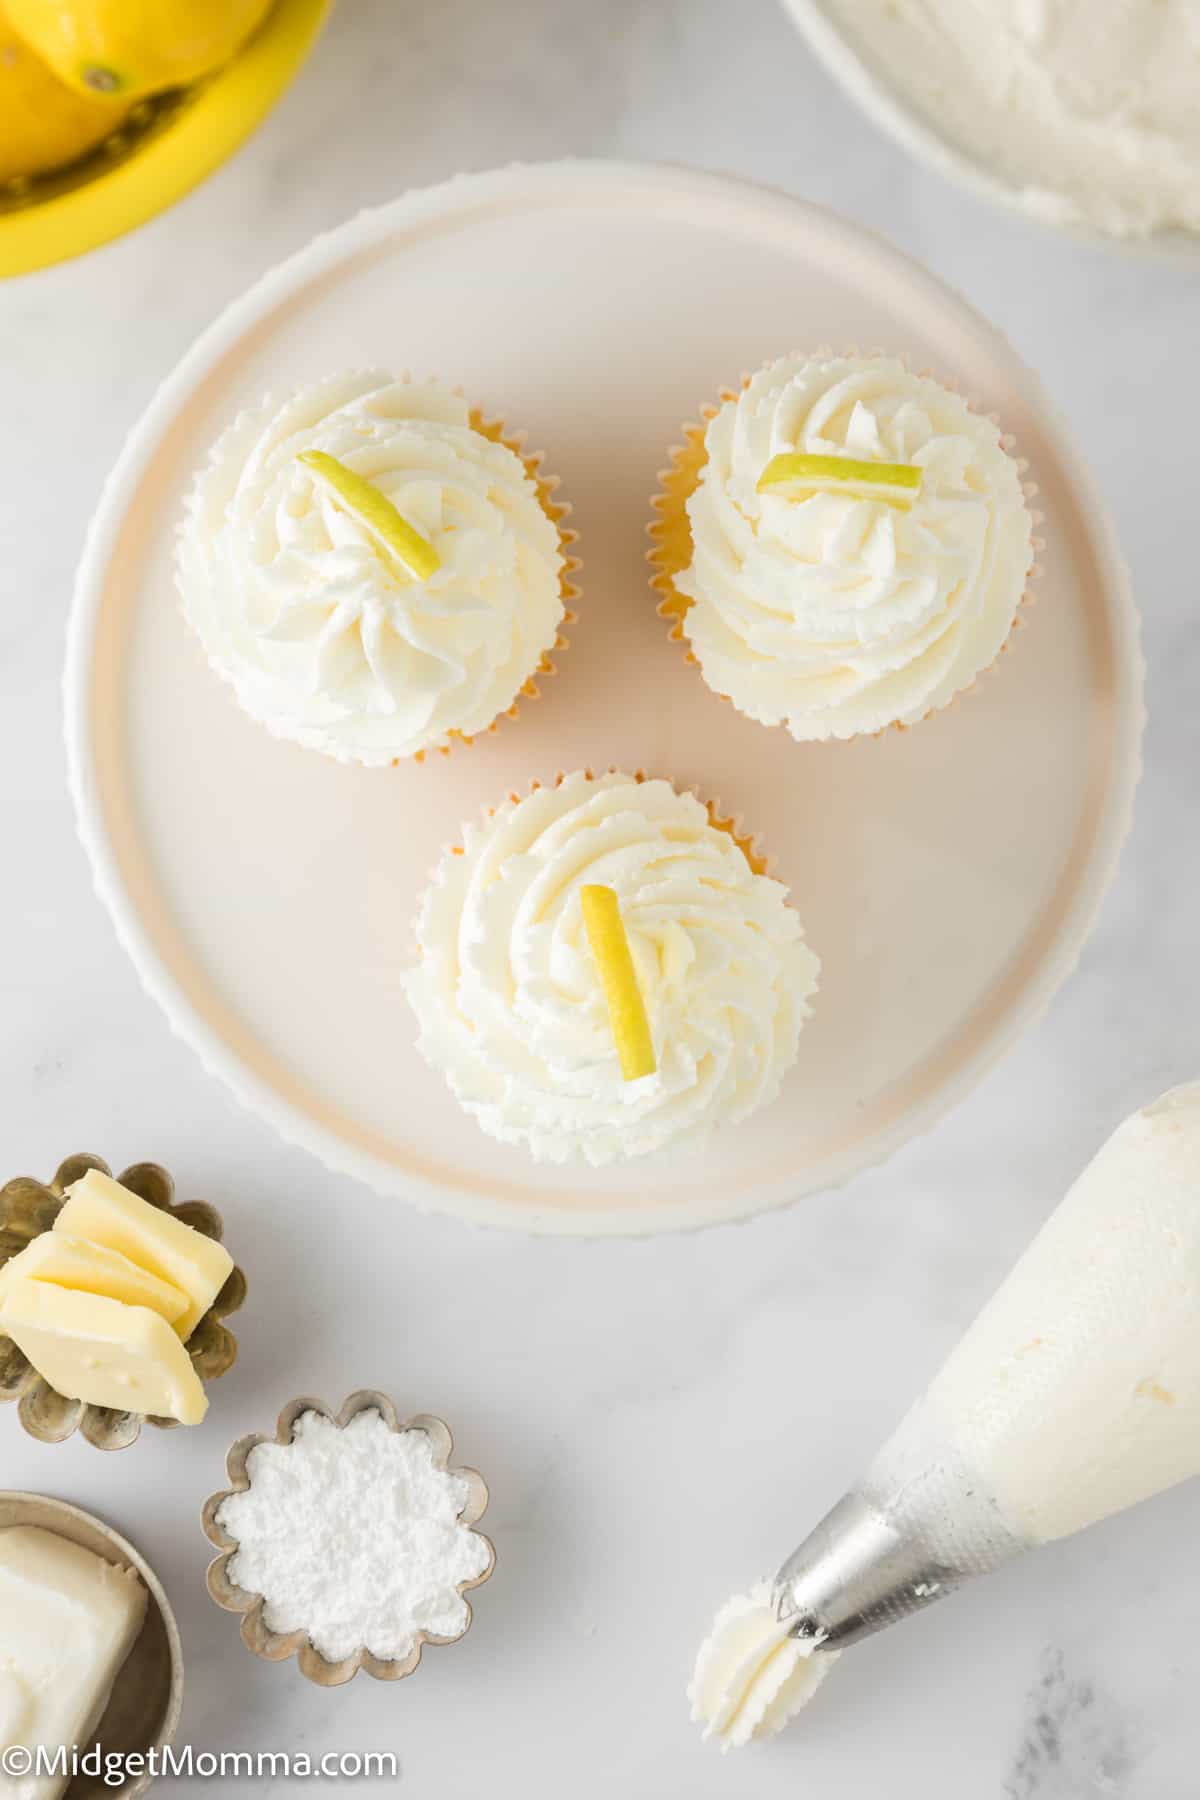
(1085, 109)
(325, 638)
(837, 613)
(511, 1006)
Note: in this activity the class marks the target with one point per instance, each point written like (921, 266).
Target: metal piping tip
(910, 1534)
(857, 1573)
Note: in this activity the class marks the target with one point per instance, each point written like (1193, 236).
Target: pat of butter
(68, 1620)
(72, 1263)
(101, 1351)
(102, 1211)
(17, 1706)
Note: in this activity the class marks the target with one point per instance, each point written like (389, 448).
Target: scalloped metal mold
(271, 1645)
(28, 1208)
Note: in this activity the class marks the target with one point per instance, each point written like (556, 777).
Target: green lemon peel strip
(375, 511)
(798, 473)
(626, 1008)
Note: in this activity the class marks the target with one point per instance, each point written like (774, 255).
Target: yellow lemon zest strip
(626, 1008)
(375, 511)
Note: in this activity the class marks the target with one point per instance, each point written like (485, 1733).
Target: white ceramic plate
(947, 877)
(866, 81)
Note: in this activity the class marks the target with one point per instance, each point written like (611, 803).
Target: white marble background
(658, 1421)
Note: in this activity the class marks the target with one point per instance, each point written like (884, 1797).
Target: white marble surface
(658, 1421)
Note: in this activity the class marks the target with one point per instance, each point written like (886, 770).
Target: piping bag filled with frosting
(1075, 1394)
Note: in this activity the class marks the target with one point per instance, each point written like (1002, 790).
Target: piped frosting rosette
(329, 636)
(827, 603)
(511, 1004)
(752, 1676)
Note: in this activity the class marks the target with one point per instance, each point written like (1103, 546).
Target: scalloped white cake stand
(947, 877)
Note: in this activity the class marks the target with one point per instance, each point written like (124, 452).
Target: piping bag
(1075, 1393)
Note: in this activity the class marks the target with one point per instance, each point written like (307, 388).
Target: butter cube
(101, 1351)
(68, 1620)
(72, 1263)
(102, 1211)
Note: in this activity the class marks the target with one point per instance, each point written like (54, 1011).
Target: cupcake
(843, 544)
(374, 569)
(606, 971)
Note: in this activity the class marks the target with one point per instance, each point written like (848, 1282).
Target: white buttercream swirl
(326, 640)
(835, 614)
(510, 1004)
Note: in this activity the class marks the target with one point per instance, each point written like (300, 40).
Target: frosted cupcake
(605, 971)
(374, 568)
(843, 544)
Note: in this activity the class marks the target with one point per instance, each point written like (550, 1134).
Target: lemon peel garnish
(795, 472)
(375, 511)
(626, 1008)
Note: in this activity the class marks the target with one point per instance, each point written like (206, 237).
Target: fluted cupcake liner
(558, 512)
(670, 532)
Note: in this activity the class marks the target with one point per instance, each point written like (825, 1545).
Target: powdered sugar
(354, 1537)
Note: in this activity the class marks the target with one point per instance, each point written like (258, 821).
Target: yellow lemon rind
(375, 511)
(623, 996)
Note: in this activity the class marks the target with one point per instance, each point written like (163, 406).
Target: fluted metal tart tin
(274, 1646)
(29, 1207)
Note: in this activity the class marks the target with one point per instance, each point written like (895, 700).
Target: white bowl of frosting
(1082, 114)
